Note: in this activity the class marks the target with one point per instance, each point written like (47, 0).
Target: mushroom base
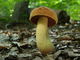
(42, 38)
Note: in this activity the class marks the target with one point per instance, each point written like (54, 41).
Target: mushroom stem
(42, 38)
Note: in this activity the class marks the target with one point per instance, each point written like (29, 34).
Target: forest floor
(19, 43)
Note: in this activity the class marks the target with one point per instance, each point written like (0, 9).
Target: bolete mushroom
(44, 18)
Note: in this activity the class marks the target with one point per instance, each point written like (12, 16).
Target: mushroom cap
(43, 12)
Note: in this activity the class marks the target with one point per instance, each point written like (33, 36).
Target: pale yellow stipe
(43, 42)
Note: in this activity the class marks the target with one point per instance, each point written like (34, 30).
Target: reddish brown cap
(43, 12)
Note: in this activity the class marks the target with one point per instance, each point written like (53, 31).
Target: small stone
(37, 58)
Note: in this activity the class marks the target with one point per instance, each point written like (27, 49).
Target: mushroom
(44, 18)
